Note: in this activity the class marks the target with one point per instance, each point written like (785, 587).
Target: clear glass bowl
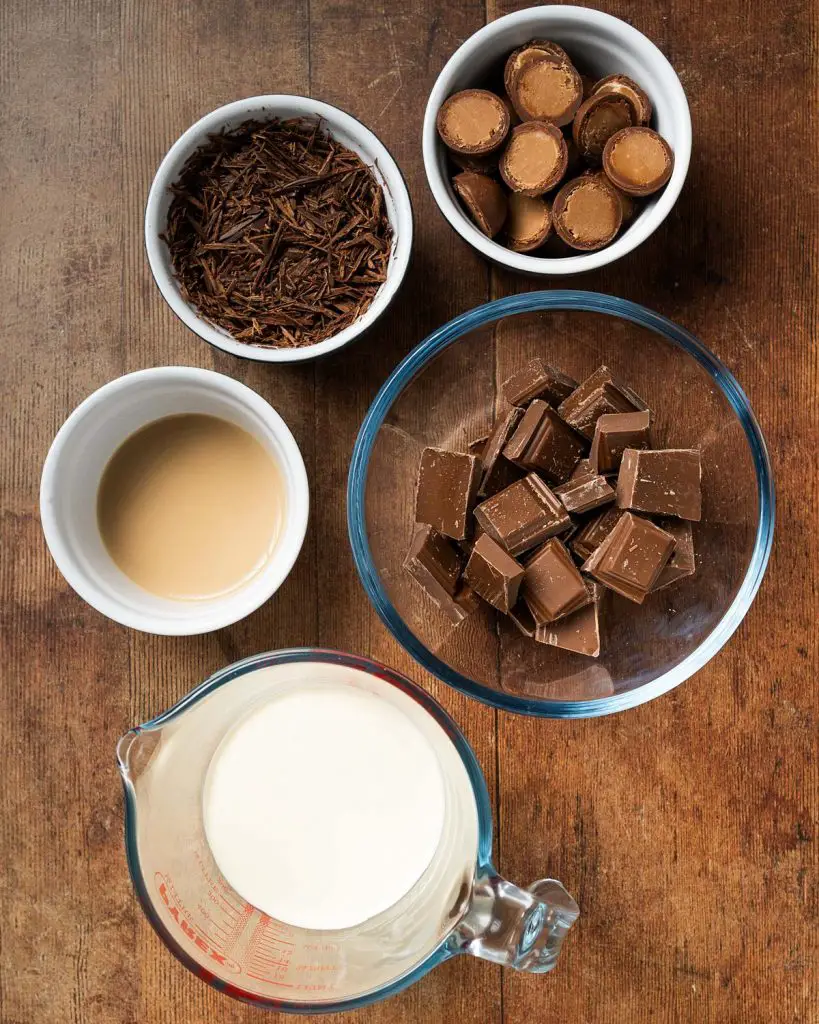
(445, 393)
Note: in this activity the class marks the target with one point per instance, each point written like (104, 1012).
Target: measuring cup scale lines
(447, 900)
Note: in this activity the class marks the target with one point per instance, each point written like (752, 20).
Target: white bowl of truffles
(556, 140)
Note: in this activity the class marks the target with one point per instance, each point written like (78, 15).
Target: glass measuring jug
(458, 905)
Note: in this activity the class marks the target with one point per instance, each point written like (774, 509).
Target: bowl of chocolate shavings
(278, 228)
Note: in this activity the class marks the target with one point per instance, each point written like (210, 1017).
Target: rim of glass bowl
(417, 359)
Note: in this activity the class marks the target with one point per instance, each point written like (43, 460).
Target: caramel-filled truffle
(535, 158)
(622, 85)
(528, 222)
(535, 49)
(600, 117)
(638, 161)
(587, 213)
(484, 199)
(473, 121)
(547, 89)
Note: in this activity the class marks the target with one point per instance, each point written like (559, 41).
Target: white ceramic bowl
(77, 459)
(349, 132)
(601, 45)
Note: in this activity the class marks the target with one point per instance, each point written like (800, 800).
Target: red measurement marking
(177, 911)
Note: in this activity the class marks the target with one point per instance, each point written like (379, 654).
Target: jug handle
(520, 928)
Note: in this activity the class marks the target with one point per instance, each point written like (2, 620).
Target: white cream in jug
(324, 806)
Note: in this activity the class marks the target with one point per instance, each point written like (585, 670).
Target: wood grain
(686, 828)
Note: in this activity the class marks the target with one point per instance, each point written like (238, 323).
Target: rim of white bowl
(634, 235)
(190, 621)
(333, 117)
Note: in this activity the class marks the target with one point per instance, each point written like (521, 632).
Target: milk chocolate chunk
(493, 574)
(631, 558)
(590, 536)
(547, 89)
(597, 119)
(585, 494)
(578, 632)
(600, 393)
(496, 472)
(473, 121)
(542, 441)
(528, 222)
(629, 90)
(523, 515)
(552, 585)
(586, 213)
(681, 563)
(435, 565)
(664, 482)
(638, 161)
(484, 200)
(535, 49)
(447, 488)
(537, 380)
(534, 159)
(613, 433)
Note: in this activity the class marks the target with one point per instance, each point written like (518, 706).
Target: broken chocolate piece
(535, 158)
(435, 564)
(580, 631)
(538, 380)
(681, 563)
(598, 118)
(484, 200)
(552, 586)
(522, 515)
(493, 574)
(592, 535)
(547, 89)
(587, 213)
(631, 558)
(528, 222)
(583, 470)
(542, 441)
(622, 85)
(638, 161)
(496, 472)
(447, 488)
(600, 393)
(474, 121)
(613, 433)
(585, 494)
(664, 482)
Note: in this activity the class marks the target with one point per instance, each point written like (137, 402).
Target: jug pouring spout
(135, 750)
(520, 928)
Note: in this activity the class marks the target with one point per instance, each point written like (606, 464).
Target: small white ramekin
(77, 459)
(349, 132)
(601, 45)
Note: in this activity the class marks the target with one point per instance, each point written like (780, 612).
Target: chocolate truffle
(638, 161)
(528, 222)
(598, 118)
(622, 85)
(473, 121)
(587, 213)
(535, 158)
(484, 199)
(535, 49)
(547, 89)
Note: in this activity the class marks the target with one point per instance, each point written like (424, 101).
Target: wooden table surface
(687, 828)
